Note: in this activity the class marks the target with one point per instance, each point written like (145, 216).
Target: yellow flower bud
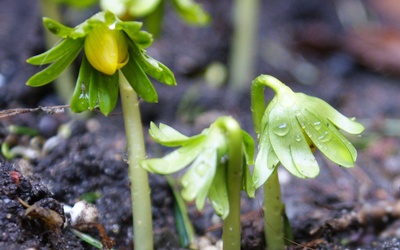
(106, 49)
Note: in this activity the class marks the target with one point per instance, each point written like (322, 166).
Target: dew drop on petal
(281, 130)
(325, 137)
(298, 138)
(184, 182)
(201, 169)
(317, 125)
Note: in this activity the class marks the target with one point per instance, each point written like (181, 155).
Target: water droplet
(224, 159)
(281, 130)
(325, 137)
(298, 138)
(125, 155)
(297, 113)
(201, 169)
(317, 125)
(184, 182)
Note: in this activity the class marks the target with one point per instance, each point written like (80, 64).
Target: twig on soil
(379, 212)
(48, 109)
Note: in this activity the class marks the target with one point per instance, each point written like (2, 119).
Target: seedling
(289, 129)
(114, 57)
(218, 159)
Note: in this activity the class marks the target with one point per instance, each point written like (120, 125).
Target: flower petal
(197, 180)
(321, 108)
(266, 161)
(289, 143)
(327, 138)
(174, 161)
(167, 136)
(218, 193)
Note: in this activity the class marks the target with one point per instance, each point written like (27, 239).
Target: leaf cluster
(208, 156)
(93, 88)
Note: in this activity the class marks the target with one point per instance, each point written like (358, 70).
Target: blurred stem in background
(65, 82)
(243, 50)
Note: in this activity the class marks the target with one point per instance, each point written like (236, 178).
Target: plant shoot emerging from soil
(114, 61)
(289, 129)
(219, 159)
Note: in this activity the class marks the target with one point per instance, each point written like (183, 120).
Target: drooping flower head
(292, 125)
(211, 155)
(110, 45)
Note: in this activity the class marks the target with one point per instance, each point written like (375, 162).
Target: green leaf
(58, 51)
(247, 181)
(167, 136)
(328, 139)
(80, 97)
(289, 143)
(54, 70)
(266, 160)
(152, 67)
(157, 70)
(191, 12)
(130, 28)
(103, 91)
(141, 38)
(218, 193)
(248, 147)
(57, 28)
(321, 108)
(88, 239)
(138, 80)
(184, 226)
(174, 161)
(197, 180)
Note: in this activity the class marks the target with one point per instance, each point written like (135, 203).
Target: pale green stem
(65, 82)
(244, 45)
(232, 228)
(273, 207)
(140, 190)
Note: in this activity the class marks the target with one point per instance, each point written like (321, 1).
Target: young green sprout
(114, 61)
(218, 159)
(288, 130)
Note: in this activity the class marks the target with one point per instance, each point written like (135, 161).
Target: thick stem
(257, 97)
(273, 209)
(232, 227)
(140, 190)
(244, 45)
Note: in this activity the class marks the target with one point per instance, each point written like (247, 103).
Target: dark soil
(302, 42)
